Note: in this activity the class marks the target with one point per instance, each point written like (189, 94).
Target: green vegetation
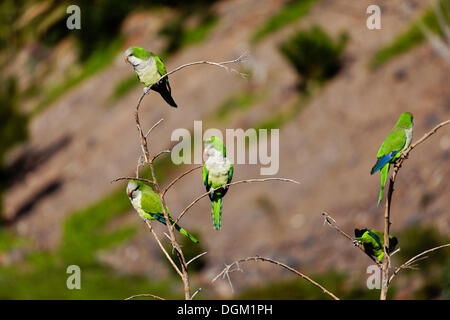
(13, 124)
(283, 116)
(42, 275)
(435, 269)
(290, 12)
(122, 87)
(178, 35)
(410, 38)
(95, 63)
(316, 57)
(241, 101)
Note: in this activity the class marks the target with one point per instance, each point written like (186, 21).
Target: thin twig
(332, 223)
(132, 178)
(223, 64)
(145, 295)
(179, 177)
(163, 249)
(195, 293)
(159, 154)
(230, 184)
(415, 259)
(226, 271)
(196, 257)
(153, 127)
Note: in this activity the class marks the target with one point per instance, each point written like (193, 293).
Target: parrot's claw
(146, 90)
(356, 243)
(211, 191)
(405, 155)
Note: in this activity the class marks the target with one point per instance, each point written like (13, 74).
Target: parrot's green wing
(205, 177)
(150, 201)
(389, 150)
(394, 142)
(160, 65)
(151, 204)
(230, 173)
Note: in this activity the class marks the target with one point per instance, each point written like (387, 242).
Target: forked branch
(225, 272)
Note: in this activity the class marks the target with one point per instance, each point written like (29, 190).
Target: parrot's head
(136, 55)
(133, 189)
(406, 120)
(213, 146)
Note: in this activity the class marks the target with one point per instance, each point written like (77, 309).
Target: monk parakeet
(398, 140)
(149, 69)
(373, 242)
(146, 202)
(217, 171)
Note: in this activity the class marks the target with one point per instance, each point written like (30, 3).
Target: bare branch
(145, 295)
(230, 184)
(132, 178)
(332, 223)
(163, 249)
(159, 154)
(196, 257)
(195, 293)
(179, 177)
(154, 126)
(226, 271)
(416, 258)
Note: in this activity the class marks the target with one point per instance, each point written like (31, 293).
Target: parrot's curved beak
(126, 59)
(129, 193)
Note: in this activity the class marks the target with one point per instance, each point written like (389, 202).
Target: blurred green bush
(13, 124)
(315, 56)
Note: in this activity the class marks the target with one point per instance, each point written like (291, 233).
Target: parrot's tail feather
(384, 172)
(163, 88)
(216, 212)
(185, 233)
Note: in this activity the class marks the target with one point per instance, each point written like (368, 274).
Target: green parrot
(150, 69)
(398, 140)
(373, 242)
(147, 203)
(217, 171)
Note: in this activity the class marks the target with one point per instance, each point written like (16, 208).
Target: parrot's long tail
(216, 212)
(384, 172)
(187, 234)
(163, 88)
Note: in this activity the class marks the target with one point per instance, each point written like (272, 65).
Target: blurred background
(333, 87)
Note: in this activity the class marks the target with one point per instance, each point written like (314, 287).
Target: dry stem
(225, 272)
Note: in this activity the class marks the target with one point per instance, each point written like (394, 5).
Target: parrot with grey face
(217, 172)
(148, 205)
(373, 242)
(398, 140)
(150, 68)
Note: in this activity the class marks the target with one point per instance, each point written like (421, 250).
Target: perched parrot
(146, 202)
(373, 242)
(398, 140)
(150, 69)
(217, 171)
